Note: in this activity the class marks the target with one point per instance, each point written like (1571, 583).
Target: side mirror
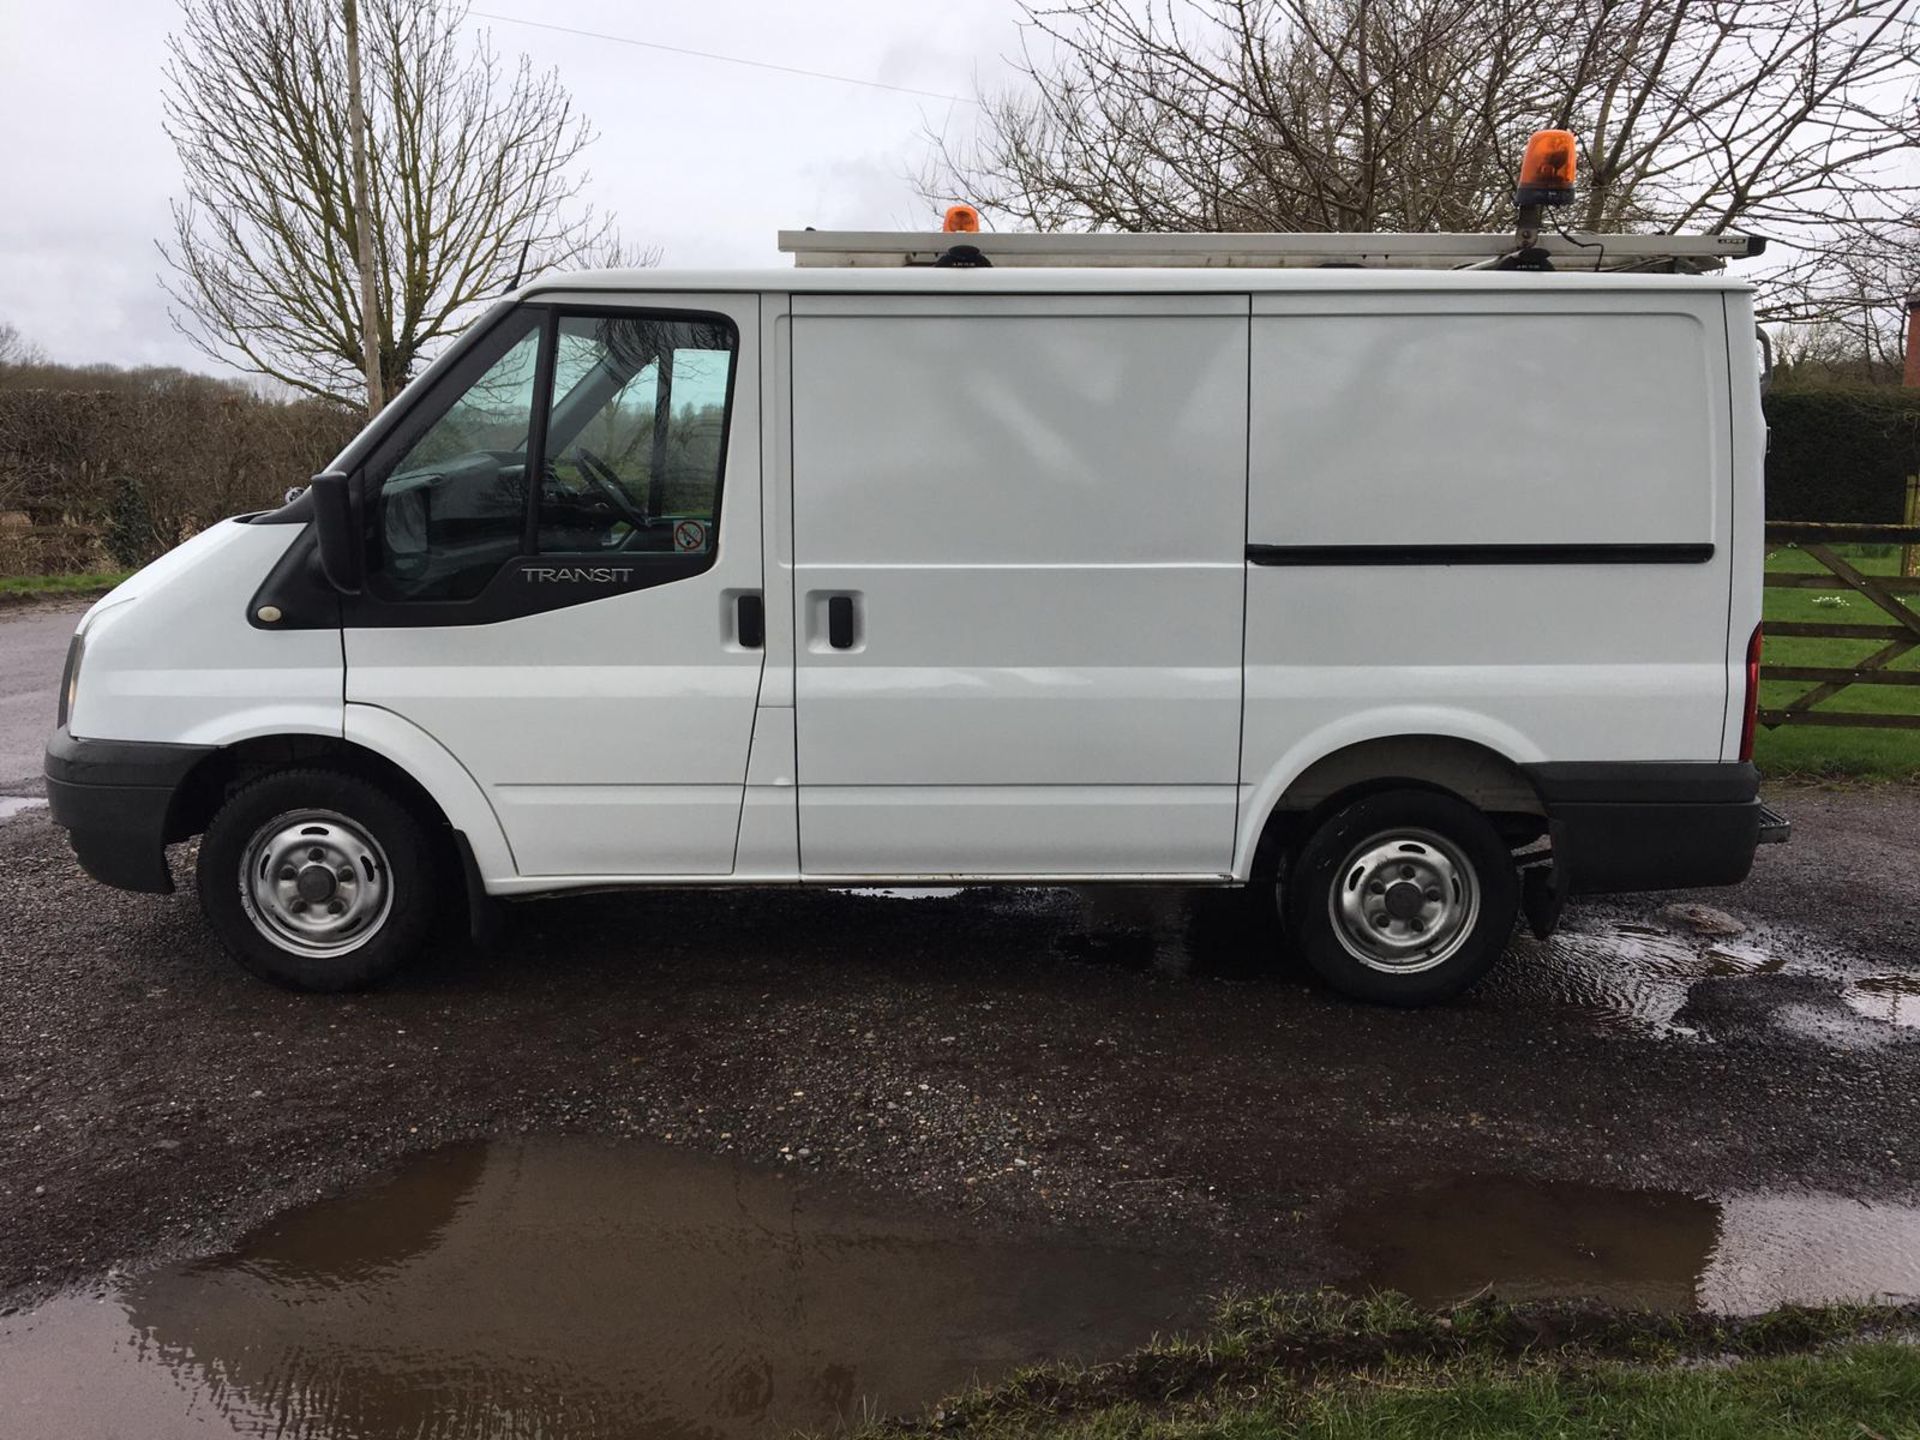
(340, 554)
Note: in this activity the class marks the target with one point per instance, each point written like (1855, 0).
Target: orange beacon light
(1547, 169)
(961, 220)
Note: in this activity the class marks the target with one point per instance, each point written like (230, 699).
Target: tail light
(1753, 695)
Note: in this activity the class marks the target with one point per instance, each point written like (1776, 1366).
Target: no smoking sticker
(689, 535)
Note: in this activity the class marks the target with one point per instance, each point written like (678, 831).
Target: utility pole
(363, 215)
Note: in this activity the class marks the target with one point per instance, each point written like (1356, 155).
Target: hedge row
(1842, 454)
(109, 479)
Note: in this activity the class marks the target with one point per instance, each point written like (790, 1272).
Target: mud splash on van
(577, 1288)
(1523, 1239)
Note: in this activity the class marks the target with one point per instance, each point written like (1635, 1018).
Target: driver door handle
(750, 621)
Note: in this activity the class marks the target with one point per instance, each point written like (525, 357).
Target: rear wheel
(1406, 897)
(317, 880)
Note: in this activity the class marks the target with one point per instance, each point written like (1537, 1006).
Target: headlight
(70, 681)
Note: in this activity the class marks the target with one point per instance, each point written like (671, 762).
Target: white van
(1345, 582)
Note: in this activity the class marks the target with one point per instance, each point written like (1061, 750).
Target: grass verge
(1321, 1365)
(48, 587)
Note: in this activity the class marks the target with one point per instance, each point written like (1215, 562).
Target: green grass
(1325, 1367)
(1885, 754)
(1848, 1394)
(28, 586)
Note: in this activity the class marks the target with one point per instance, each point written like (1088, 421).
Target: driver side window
(627, 411)
(634, 435)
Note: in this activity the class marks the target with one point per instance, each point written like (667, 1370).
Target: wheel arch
(397, 756)
(1468, 769)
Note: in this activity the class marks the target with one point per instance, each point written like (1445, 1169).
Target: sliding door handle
(840, 622)
(750, 621)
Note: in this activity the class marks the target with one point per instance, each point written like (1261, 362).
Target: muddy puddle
(1533, 1240)
(574, 1288)
(1626, 974)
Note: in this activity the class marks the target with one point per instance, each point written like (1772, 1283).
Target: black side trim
(113, 797)
(532, 585)
(1674, 554)
(1644, 782)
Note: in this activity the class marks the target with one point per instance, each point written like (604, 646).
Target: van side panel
(1398, 441)
(1035, 509)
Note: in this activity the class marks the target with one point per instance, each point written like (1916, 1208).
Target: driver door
(561, 536)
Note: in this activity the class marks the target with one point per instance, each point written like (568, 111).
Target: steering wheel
(606, 480)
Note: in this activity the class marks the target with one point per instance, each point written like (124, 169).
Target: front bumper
(114, 797)
(1652, 825)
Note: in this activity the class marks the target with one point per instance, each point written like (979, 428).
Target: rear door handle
(840, 621)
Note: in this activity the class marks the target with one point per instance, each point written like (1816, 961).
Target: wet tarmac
(575, 1288)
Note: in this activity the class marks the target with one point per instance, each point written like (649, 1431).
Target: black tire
(1441, 867)
(379, 865)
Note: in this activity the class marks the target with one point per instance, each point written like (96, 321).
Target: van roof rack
(1573, 250)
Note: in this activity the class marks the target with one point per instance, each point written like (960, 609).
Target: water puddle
(12, 805)
(1890, 999)
(1625, 974)
(1534, 1240)
(574, 1288)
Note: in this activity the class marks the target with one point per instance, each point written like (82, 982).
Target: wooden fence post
(1910, 554)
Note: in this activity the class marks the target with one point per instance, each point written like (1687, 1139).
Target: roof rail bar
(1573, 250)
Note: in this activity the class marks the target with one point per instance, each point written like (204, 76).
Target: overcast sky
(702, 159)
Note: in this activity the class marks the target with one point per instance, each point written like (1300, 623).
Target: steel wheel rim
(315, 883)
(1404, 901)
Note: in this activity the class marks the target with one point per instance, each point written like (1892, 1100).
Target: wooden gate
(1883, 591)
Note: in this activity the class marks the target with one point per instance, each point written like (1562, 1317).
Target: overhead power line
(725, 59)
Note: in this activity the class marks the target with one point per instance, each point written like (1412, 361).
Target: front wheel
(317, 880)
(1406, 897)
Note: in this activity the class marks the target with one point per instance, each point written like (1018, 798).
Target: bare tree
(1795, 118)
(1252, 114)
(473, 177)
(16, 349)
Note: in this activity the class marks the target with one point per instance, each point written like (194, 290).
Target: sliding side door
(1019, 531)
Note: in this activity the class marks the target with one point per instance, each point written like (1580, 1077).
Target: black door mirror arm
(341, 558)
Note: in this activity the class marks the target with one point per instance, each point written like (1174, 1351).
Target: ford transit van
(1412, 597)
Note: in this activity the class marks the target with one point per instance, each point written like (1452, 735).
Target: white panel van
(1350, 585)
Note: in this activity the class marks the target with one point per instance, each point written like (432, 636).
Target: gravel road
(1113, 1064)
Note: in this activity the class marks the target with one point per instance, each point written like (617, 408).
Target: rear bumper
(1619, 826)
(113, 797)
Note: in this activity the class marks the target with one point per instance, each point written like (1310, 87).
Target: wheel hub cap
(315, 883)
(1406, 901)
